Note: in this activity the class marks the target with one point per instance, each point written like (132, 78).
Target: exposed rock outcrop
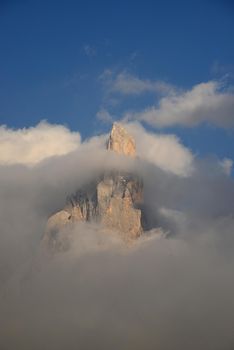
(114, 200)
(121, 142)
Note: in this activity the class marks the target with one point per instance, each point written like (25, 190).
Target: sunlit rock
(120, 141)
(113, 201)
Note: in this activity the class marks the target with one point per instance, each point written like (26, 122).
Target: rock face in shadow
(114, 200)
(119, 196)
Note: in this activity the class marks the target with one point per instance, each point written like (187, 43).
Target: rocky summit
(121, 142)
(114, 200)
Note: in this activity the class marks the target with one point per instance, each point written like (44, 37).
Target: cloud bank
(33, 145)
(173, 293)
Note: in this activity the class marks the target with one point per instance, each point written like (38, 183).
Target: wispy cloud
(222, 70)
(89, 50)
(104, 116)
(125, 83)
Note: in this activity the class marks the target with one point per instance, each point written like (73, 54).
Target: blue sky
(71, 62)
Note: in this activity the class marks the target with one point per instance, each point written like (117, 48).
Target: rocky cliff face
(114, 200)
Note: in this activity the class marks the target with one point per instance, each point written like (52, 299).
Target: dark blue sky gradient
(45, 73)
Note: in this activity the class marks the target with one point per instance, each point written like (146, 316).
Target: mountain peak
(113, 200)
(120, 141)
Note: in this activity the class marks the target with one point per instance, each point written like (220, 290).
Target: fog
(172, 291)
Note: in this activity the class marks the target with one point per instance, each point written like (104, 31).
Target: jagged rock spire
(120, 141)
(113, 200)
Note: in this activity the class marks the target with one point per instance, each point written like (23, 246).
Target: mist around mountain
(171, 289)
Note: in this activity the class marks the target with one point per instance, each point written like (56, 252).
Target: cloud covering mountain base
(173, 293)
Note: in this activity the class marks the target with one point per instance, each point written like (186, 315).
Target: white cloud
(31, 145)
(205, 102)
(165, 151)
